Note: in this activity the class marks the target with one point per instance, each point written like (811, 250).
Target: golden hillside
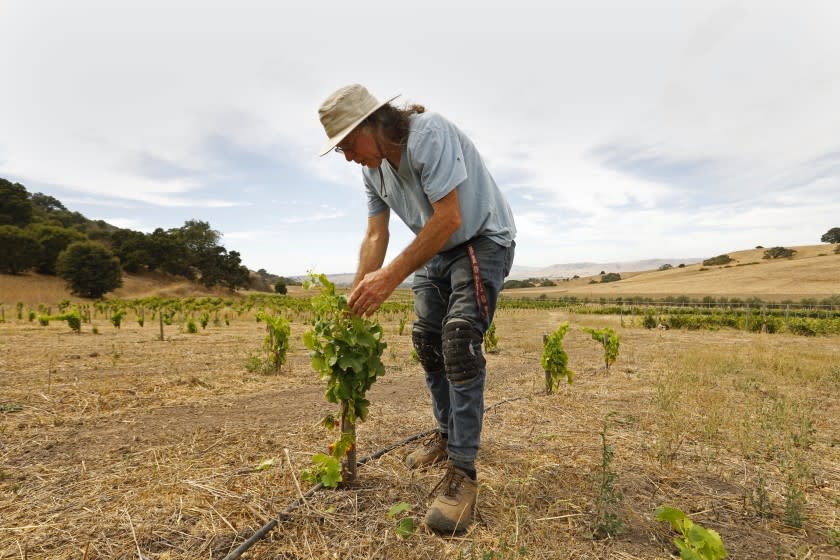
(33, 289)
(813, 272)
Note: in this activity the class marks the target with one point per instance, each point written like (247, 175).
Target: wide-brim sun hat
(344, 110)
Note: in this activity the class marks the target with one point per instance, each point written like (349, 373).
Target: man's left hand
(371, 292)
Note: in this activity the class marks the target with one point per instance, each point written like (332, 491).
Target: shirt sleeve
(375, 203)
(439, 159)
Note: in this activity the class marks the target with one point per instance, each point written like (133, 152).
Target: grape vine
(346, 351)
(555, 360)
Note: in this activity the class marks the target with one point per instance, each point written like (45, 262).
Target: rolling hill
(813, 272)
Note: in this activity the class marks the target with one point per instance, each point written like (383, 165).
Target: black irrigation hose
(264, 530)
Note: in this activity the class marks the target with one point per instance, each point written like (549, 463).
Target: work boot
(432, 451)
(452, 510)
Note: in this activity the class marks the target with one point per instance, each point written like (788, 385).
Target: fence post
(160, 316)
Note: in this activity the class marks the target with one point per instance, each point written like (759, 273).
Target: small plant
(255, 364)
(6, 408)
(403, 322)
(276, 342)
(609, 340)
(204, 319)
(192, 328)
(491, 341)
(607, 523)
(697, 542)
(793, 514)
(346, 351)
(760, 498)
(117, 317)
(555, 360)
(405, 526)
(73, 318)
(833, 536)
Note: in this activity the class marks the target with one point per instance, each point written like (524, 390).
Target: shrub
(90, 269)
(778, 253)
(280, 286)
(831, 236)
(19, 250)
(610, 277)
(718, 260)
(666, 267)
(515, 284)
(54, 240)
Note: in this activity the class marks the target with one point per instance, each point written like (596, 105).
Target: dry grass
(124, 443)
(32, 289)
(813, 272)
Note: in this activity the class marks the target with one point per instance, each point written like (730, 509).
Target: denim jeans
(444, 290)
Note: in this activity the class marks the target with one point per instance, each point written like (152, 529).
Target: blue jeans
(444, 292)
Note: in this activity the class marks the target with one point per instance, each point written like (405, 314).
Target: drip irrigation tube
(264, 530)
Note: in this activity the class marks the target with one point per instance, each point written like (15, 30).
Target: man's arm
(373, 286)
(374, 245)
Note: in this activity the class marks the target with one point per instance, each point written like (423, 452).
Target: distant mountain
(566, 270)
(569, 270)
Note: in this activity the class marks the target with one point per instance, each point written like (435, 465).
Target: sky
(617, 130)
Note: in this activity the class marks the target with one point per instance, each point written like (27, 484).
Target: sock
(470, 470)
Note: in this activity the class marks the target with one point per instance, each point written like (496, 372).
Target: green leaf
(405, 528)
(265, 465)
(398, 509)
(675, 517)
(362, 407)
(329, 422)
(328, 469)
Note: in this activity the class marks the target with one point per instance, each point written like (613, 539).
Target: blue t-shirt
(437, 159)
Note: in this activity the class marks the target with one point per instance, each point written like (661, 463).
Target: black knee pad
(429, 351)
(462, 351)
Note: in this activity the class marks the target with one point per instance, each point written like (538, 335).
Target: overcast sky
(618, 130)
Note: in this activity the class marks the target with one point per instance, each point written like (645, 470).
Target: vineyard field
(115, 443)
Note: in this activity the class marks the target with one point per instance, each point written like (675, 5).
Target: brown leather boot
(432, 451)
(452, 510)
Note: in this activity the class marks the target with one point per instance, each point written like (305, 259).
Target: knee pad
(462, 351)
(429, 351)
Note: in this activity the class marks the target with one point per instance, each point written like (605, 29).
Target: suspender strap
(480, 295)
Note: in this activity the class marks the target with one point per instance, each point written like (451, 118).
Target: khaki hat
(345, 110)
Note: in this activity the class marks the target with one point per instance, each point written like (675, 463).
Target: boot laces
(433, 440)
(451, 482)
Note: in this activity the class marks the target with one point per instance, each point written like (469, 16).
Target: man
(425, 169)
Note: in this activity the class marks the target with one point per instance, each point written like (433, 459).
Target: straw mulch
(116, 445)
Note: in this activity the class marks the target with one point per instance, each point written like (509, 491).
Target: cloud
(615, 131)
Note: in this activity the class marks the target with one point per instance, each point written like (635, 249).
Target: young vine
(346, 351)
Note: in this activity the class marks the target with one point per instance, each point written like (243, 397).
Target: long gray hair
(393, 122)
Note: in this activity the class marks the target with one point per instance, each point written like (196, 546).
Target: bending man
(428, 172)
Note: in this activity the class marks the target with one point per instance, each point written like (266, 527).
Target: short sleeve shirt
(437, 159)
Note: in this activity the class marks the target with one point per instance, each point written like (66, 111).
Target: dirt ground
(118, 445)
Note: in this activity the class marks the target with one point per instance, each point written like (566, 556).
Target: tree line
(37, 232)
